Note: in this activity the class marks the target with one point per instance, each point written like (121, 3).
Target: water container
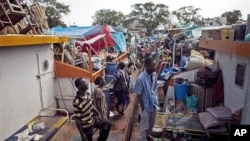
(111, 68)
(181, 90)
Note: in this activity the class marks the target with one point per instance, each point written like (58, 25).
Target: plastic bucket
(111, 68)
(181, 91)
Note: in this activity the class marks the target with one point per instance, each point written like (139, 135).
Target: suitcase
(205, 83)
(207, 73)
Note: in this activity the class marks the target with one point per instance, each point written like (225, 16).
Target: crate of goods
(227, 34)
(211, 34)
(204, 95)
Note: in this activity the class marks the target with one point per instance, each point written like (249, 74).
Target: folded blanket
(220, 112)
(211, 124)
(208, 121)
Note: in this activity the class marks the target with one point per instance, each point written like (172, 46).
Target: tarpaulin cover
(87, 33)
(120, 42)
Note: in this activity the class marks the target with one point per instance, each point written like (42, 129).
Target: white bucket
(65, 102)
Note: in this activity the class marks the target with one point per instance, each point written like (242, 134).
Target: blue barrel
(111, 68)
(108, 101)
(181, 90)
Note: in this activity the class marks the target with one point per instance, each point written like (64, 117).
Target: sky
(82, 11)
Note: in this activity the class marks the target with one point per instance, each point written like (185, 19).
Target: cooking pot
(157, 132)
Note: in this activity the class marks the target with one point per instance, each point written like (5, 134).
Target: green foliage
(232, 16)
(187, 14)
(107, 16)
(54, 12)
(151, 15)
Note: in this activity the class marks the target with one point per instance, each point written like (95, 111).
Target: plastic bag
(191, 101)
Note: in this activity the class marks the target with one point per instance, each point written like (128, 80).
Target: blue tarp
(120, 42)
(72, 31)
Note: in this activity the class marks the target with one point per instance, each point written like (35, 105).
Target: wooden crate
(227, 34)
(204, 95)
(212, 34)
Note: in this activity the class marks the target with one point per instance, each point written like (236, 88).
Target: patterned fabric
(100, 102)
(120, 74)
(120, 81)
(146, 86)
(83, 108)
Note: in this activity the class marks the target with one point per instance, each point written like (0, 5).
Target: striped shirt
(83, 108)
(146, 86)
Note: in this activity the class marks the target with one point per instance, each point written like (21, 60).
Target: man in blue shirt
(146, 89)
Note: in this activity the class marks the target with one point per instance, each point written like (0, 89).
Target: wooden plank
(66, 70)
(121, 58)
(232, 47)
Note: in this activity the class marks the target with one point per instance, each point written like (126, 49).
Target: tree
(107, 16)
(232, 16)
(54, 12)
(188, 13)
(151, 15)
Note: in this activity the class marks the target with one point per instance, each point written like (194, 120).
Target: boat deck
(121, 128)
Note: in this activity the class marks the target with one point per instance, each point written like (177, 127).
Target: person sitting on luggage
(87, 114)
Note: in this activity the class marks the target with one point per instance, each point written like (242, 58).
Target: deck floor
(119, 125)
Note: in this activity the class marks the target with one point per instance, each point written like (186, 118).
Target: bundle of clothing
(216, 119)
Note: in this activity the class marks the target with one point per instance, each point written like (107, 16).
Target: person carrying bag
(121, 89)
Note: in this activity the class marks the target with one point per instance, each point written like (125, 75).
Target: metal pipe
(39, 73)
(174, 52)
